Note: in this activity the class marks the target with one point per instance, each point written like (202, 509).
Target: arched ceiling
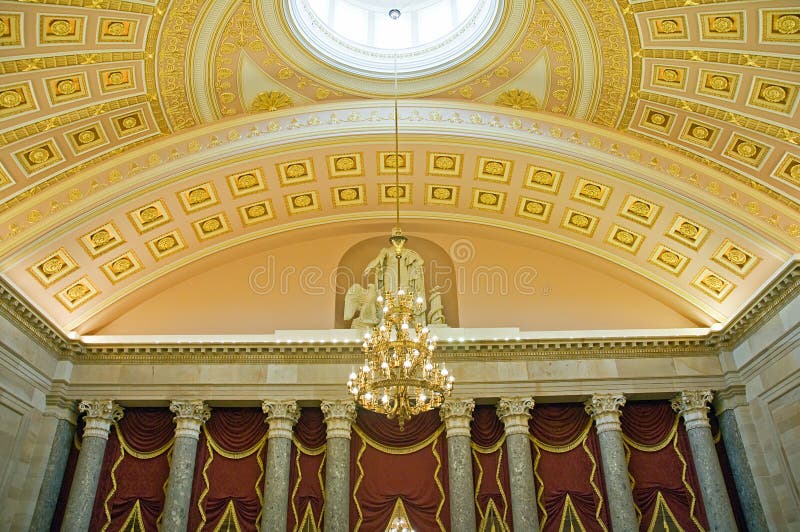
(137, 138)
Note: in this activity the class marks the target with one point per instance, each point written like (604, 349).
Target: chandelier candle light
(399, 378)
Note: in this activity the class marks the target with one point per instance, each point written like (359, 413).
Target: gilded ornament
(100, 238)
(52, 266)
(116, 78)
(38, 155)
(442, 193)
(394, 191)
(624, 237)
(746, 149)
(10, 98)
(245, 181)
(669, 258)
(130, 122)
(76, 292)
(392, 161)
(723, 25)
(579, 220)
(534, 207)
(773, 93)
(166, 243)
(657, 119)
(121, 265)
(116, 29)
(669, 26)
(348, 194)
(719, 83)
(714, 283)
(487, 198)
(700, 132)
(211, 225)
(736, 256)
(256, 211)
(270, 101)
(34, 216)
(198, 195)
(66, 86)
(321, 93)
(794, 171)
(788, 24)
(688, 230)
(87, 136)
(444, 162)
(591, 191)
(640, 208)
(60, 27)
(345, 163)
(303, 200)
(5, 29)
(670, 75)
(543, 178)
(518, 99)
(149, 214)
(296, 170)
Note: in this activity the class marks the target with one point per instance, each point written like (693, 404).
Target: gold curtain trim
(398, 450)
(230, 454)
(259, 481)
(438, 483)
(139, 454)
(478, 482)
(358, 483)
(312, 451)
(113, 487)
(655, 447)
(595, 487)
(563, 448)
(685, 483)
(490, 449)
(206, 487)
(540, 491)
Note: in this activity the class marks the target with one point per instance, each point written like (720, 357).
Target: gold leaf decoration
(518, 99)
(270, 101)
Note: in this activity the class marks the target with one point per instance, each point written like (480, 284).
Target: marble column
(457, 415)
(100, 414)
(692, 406)
(742, 473)
(281, 416)
(515, 413)
(189, 417)
(339, 416)
(604, 409)
(66, 419)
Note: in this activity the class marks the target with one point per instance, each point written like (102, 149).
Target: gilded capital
(189, 416)
(692, 405)
(100, 414)
(514, 412)
(281, 416)
(604, 408)
(457, 415)
(339, 415)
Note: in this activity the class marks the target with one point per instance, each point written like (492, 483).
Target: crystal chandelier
(399, 378)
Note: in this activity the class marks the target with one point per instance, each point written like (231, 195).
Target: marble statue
(436, 309)
(363, 301)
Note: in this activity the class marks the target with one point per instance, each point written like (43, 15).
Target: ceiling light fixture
(399, 377)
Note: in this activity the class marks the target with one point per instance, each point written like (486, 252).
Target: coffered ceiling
(138, 138)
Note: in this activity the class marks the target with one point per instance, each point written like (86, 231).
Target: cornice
(773, 298)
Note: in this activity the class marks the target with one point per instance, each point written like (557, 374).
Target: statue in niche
(436, 309)
(363, 301)
(386, 274)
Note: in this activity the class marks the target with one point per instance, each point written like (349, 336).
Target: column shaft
(604, 409)
(515, 414)
(281, 416)
(99, 416)
(457, 415)
(742, 474)
(189, 416)
(53, 476)
(339, 416)
(692, 407)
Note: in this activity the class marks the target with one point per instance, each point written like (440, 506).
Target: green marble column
(515, 413)
(281, 416)
(457, 415)
(339, 416)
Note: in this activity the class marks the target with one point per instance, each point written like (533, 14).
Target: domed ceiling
(141, 139)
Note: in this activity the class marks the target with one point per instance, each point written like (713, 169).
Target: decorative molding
(20, 313)
(514, 412)
(189, 417)
(604, 409)
(100, 414)
(281, 416)
(339, 416)
(457, 415)
(692, 406)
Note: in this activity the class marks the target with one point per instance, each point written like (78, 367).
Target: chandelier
(399, 378)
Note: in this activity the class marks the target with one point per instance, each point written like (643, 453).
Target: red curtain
(567, 468)
(306, 478)
(490, 466)
(665, 486)
(229, 472)
(387, 463)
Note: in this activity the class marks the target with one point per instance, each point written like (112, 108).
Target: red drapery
(229, 472)
(387, 464)
(490, 467)
(567, 468)
(307, 475)
(665, 486)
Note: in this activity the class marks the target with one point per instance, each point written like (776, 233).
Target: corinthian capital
(457, 414)
(693, 407)
(339, 415)
(281, 416)
(514, 412)
(604, 408)
(189, 416)
(100, 414)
